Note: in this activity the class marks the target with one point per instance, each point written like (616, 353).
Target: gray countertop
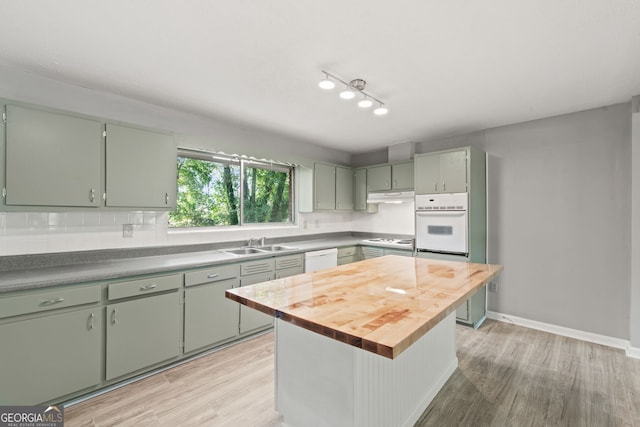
(34, 278)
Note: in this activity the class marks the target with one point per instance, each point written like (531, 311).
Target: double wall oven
(442, 223)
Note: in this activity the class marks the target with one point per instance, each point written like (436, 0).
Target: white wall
(560, 217)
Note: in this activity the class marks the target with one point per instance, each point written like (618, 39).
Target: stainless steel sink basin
(244, 251)
(275, 248)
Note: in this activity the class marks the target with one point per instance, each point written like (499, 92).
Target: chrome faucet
(255, 241)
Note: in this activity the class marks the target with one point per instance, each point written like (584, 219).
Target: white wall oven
(442, 223)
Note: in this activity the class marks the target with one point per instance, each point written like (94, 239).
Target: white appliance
(442, 223)
(319, 260)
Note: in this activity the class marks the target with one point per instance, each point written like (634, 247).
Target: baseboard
(633, 352)
(567, 332)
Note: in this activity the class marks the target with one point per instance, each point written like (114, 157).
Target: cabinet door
(287, 272)
(379, 178)
(369, 252)
(141, 333)
(427, 174)
(344, 189)
(52, 159)
(252, 320)
(402, 174)
(453, 172)
(49, 357)
(141, 168)
(209, 317)
(324, 186)
(360, 190)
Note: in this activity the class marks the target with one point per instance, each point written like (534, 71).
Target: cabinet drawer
(42, 301)
(348, 251)
(289, 261)
(254, 267)
(213, 274)
(144, 286)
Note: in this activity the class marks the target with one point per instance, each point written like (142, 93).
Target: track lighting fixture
(355, 86)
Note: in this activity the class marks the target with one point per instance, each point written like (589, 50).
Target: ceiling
(442, 67)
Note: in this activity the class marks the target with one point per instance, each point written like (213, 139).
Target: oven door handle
(442, 213)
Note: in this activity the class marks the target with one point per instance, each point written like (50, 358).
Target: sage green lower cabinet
(142, 333)
(209, 316)
(347, 255)
(252, 272)
(474, 310)
(50, 356)
(369, 252)
(252, 320)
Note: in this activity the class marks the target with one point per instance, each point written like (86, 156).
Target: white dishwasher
(319, 260)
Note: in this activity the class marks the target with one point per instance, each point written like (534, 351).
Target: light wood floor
(507, 376)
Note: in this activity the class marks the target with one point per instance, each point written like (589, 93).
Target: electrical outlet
(493, 287)
(127, 230)
(317, 223)
(305, 224)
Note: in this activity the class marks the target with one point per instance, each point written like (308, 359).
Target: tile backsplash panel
(47, 232)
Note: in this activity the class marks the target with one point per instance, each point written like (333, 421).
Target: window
(219, 190)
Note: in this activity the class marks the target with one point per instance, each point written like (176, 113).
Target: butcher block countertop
(382, 305)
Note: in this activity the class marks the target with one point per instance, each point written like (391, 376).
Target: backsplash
(47, 232)
(391, 218)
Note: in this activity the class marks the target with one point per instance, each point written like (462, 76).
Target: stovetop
(398, 243)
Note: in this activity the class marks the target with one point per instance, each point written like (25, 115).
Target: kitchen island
(365, 344)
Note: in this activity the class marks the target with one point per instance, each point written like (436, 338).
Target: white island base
(323, 382)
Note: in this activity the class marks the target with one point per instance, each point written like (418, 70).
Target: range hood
(390, 197)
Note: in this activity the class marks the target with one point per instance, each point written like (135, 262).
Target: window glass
(209, 192)
(266, 194)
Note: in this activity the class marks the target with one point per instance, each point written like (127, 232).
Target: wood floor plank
(507, 376)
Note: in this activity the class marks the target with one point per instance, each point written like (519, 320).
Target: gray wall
(560, 202)
(635, 226)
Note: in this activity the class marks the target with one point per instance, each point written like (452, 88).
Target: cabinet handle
(90, 325)
(212, 276)
(148, 287)
(395, 182)
(114, 319)
(444, 186)
(166, 198)
(92, 195)
(436, 187)
(51, 302)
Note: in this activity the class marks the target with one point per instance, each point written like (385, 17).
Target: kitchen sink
(275, 248)
(244, 251)
(249, 250)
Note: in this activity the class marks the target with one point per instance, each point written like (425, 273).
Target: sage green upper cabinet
(402, 176)
(52, 159)
(442, 172)
(360, 189)
(379, 178)
(324, 187)
(344, 188)
(141, 168)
